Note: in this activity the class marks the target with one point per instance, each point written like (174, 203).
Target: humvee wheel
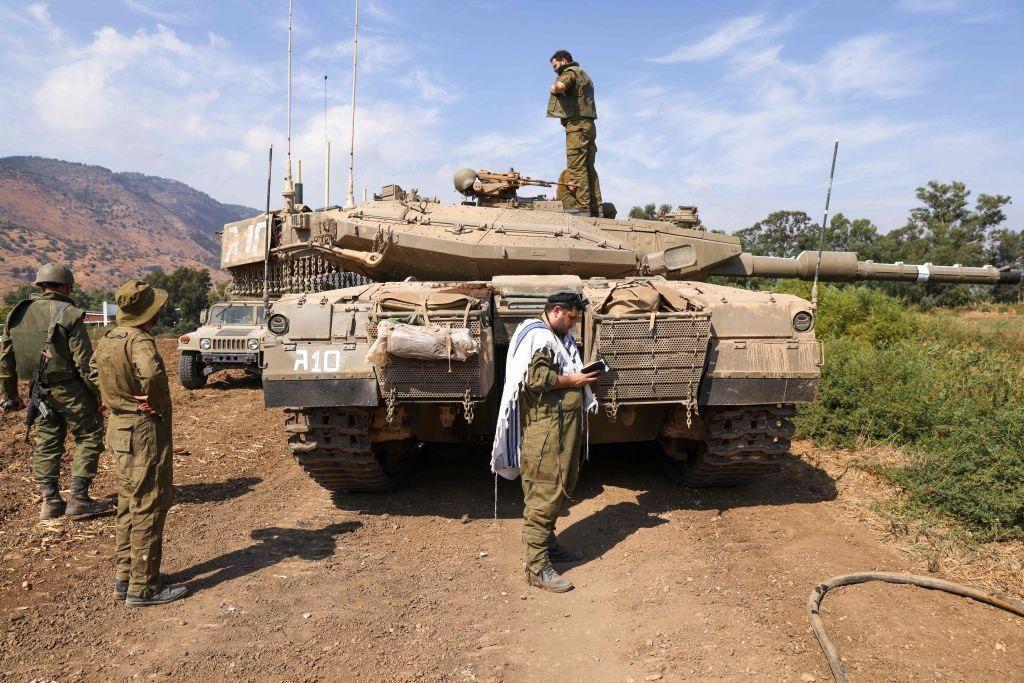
(190, 370)
(741, 444)
(332, 445)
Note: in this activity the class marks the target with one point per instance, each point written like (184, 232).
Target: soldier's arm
(543, 372)
(564, 83)
(81, 353)
(152, 376)
(8, 368)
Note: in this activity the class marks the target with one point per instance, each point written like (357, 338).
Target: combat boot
(549, 580)
(53, 505)
(80, 504)
(162, 597)
(121, 588)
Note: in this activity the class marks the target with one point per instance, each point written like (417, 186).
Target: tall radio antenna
(289, 188)
(821, 235)
(327, 153)
(350, 202)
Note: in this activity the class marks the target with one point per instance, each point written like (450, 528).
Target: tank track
(333, 446)
(741, 444)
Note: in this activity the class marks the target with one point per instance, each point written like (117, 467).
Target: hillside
(107, 226)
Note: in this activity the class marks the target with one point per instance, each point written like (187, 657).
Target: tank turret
(399, 234)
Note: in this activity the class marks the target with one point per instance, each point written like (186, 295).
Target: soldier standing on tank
(552, 436)
(133, 383)
(572, 101)
(70, 398)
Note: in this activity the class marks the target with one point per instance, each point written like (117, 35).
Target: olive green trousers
(580, 152)
(549, 463)
(72, 406)
(142, 445)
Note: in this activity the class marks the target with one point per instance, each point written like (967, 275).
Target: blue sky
(732, 106)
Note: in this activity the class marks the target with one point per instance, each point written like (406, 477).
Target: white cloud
(156, 10)
(875, 64)
(721, 42)
(40, 12)
(432, 87)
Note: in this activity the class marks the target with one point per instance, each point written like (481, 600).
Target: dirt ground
(424, 584)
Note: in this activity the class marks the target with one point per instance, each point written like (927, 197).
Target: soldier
(545, 423)
(133, 383)
(572, 101)
(44, 341)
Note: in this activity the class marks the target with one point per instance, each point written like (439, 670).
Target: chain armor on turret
(294, 275)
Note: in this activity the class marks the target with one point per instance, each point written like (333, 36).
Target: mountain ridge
(106, 226)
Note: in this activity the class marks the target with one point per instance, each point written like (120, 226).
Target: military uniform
(73, 397)
(549, 460)
(576, 109)
(126, 365)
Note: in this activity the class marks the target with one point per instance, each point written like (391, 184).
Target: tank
(713, 374)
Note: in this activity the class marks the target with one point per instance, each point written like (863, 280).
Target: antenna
(267, 232)
(327, 153)
(821, 235)
(289, 189)
(351, 201)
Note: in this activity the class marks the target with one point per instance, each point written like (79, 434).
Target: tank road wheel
(190, 370)
(332, 445)
(740, 445)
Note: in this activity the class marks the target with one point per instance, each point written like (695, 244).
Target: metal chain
(467, 407)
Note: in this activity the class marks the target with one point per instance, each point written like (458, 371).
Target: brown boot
(52, 506)
(80, 504)
(549, 580)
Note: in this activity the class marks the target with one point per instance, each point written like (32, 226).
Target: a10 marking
(328, 360)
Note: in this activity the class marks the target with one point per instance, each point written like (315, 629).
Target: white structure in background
(104, 317)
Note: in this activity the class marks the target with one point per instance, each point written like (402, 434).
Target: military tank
(712, 373)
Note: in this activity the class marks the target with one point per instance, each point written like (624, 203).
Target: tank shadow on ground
(453, 481)
(273, 545)
(214, 492)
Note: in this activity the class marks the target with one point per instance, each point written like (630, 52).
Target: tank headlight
(803, 321)
(204, 344)
(277, 323)
(253, 344)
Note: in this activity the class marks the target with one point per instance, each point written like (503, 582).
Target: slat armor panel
(415, 379)
(651, 361)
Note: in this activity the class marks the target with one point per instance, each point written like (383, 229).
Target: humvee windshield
(237, 314)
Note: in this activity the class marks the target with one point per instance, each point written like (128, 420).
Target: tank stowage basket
(654, 358)
(440, 380)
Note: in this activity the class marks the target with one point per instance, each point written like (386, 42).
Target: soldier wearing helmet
(44, 341)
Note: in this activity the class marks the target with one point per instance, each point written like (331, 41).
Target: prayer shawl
(531, 336)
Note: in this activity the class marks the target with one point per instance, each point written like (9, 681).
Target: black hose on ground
(829, 648)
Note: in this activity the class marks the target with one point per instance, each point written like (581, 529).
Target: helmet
(464, 179)
(52, 274)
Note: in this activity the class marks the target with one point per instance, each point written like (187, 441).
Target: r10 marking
(328, 360)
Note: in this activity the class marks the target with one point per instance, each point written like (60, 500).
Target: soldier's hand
(12, 406)
(144, 406)
(581, 379)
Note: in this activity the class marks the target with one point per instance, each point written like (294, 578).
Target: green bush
(946, 389)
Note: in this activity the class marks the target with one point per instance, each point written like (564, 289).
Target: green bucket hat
(138, 303)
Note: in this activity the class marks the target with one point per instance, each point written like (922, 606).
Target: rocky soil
(426, 584)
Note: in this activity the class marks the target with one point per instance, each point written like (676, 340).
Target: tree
(650, 212)
(782, 233)
(188, 293)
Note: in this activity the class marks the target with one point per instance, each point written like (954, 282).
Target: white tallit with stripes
(531, 336)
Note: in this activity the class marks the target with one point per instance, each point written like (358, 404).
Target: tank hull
(674, 371)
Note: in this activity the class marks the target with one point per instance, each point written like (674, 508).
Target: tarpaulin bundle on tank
(415, 336)
(641, 296)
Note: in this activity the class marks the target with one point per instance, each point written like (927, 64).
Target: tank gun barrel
(844, 266)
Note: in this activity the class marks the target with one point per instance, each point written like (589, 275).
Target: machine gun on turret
(495, 189)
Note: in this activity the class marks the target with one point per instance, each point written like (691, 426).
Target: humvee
(228, 337)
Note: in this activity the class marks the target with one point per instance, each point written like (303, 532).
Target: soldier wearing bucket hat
(133, 383)
(44, 341)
